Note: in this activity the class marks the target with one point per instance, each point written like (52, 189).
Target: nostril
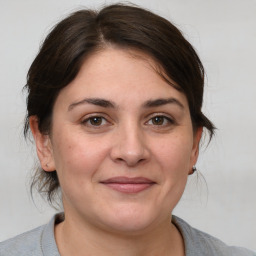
(130, 161)
(129, 148)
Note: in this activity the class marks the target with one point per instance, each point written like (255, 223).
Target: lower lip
(129, 187)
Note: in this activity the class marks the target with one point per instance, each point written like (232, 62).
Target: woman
(114, 106)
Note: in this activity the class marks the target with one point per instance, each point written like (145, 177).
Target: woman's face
(122, 143)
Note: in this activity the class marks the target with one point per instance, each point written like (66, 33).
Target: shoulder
(37, 242)
(25, 244)
(199, 243)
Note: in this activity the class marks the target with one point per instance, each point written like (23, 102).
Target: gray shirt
(41, 242)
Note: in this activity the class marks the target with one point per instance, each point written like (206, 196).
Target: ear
(43, 146)
(195, 149)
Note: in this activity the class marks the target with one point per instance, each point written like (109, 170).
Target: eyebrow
(110, 104)
(161, 102)
(94, 101)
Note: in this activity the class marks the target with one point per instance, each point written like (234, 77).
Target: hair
(84, 32)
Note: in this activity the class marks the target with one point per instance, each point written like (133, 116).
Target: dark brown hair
(86, 31)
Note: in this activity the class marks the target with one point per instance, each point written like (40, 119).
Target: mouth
(128, 185)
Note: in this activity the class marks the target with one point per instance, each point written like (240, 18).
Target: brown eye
(96, 120)
(158, 120)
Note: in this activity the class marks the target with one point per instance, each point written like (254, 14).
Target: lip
(127, 184)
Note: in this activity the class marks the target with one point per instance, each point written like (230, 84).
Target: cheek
(174, 158)
(78, 163)
(174, 154)
(171, 159)
(77, 157)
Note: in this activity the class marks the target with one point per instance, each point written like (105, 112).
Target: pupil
(96, 120)
(158, 120)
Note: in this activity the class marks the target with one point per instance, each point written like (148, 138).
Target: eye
(95, 121)
(160, 121)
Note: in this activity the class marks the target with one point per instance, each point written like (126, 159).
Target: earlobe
(43, 146)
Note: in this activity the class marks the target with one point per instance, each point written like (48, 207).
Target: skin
(123, 133)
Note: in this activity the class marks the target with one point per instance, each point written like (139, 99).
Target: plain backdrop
(224, 34)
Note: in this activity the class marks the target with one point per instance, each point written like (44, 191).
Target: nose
(129, 147)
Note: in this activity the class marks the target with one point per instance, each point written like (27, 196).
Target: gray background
(224, 34)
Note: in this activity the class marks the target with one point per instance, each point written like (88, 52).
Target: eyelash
(167, 121)
(88, 121)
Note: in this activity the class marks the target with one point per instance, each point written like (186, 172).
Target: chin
(130, 220)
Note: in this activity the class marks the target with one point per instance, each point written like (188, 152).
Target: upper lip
(128, 180)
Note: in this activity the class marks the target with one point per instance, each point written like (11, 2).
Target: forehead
(120, 75)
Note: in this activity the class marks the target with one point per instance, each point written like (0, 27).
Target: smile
(128, 185)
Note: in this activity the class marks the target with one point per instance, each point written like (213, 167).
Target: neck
(84, 240)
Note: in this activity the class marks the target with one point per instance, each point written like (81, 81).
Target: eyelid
(169, 118)
(98, 114)
(165, 115)
(95, 114)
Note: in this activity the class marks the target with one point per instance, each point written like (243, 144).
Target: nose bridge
(130, 146)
